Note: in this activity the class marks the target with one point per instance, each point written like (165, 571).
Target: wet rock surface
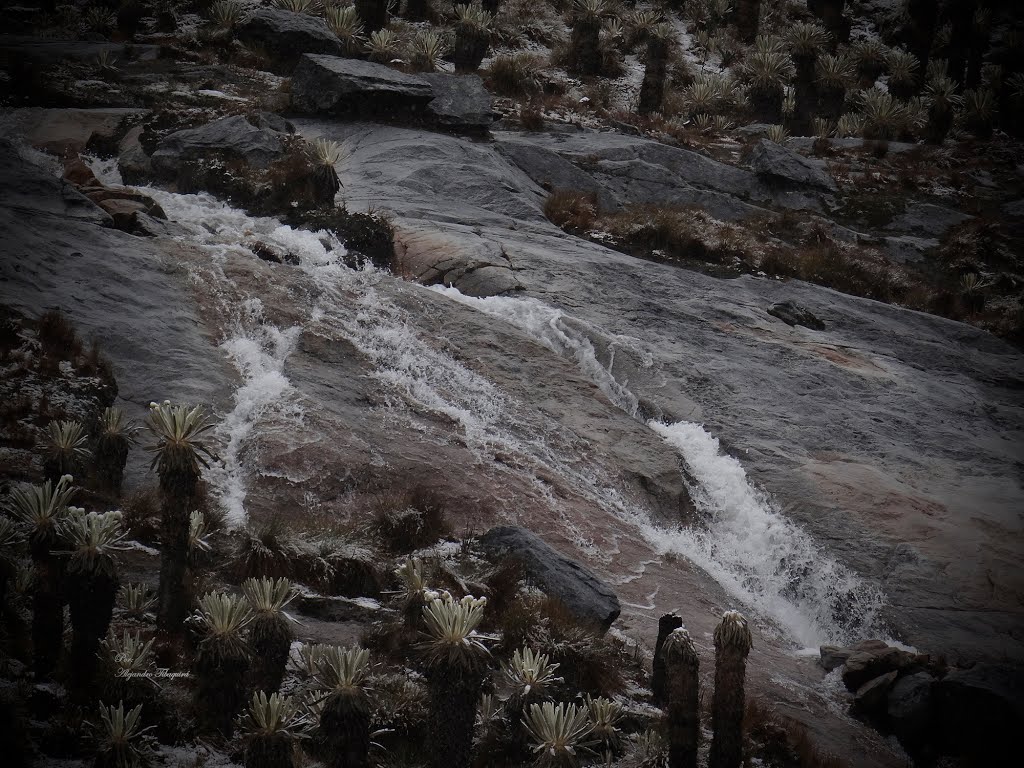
(873, 461)
(904, 420)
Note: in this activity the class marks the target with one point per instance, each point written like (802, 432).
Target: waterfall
(762, 558)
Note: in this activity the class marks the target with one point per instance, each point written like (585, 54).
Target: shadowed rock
(286, 35)
(583, 593)
(783, 166)
(461, 103)
(336, 86)
(231, 136)
(793, 314)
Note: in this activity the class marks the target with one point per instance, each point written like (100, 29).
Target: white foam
(258, 351)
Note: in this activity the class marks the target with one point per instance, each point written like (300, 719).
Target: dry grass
(780, 741)
(407, 520)
(141, 510)
(573, 211)
(515, 75)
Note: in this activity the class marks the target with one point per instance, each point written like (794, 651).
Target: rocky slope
(856, 475)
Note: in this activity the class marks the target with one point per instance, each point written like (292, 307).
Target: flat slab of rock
(779, 164)
(68, 131)
(232, 136)
(286, 35)
(461, 102)
(333, 85)
(31, 188)
(584, 594)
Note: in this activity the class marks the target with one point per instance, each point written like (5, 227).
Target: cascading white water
(258, 351)
(763, 559)
(748, 546)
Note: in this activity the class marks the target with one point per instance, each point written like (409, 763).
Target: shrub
(270, 630)
(57, 336)
(411, 520)
(345, 24)
(222, 660)
(514, 75)
(589, 661)
(268, 551)
(572, 210)
(122, 737)
(141, 510)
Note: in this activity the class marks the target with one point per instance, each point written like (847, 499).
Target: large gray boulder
(461, 103)
(584, 594)
(286, 35)
(910, 710)
(233, 137)
(783, 166)
(332, 85)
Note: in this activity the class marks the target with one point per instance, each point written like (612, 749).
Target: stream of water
(764, 560)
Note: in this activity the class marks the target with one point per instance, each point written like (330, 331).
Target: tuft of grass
(268, 551)
(58, 336)
(407, 521)
(572, 210)
(514, 75)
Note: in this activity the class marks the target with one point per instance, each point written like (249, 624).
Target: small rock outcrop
(785, 167)
(870, 699)
(332, 85)
(231, 136)
(868, 663)
(30, 187)
(584, 594)
(792, 313)
(833, 657)
(460, 103)
(286, 35)
(981, 711)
